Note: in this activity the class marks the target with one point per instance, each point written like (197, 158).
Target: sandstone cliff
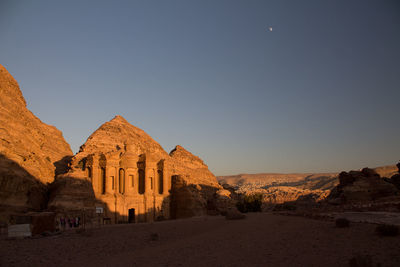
(112, 136)
(192, 168)
(31, 152)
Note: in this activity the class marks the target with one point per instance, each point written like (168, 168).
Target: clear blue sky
(321, 92)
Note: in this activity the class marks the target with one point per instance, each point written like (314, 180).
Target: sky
(318, 93)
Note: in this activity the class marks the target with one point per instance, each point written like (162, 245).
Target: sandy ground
(261, 239)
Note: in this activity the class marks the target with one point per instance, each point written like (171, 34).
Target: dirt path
(259, 240)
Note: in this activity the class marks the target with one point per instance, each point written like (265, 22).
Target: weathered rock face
(24, 139)
(279, 195)
(132, 176)
(70, 193)
(186, 200)
(249, 183)
(362, 186)
(194, 187)
(279, 188)
(31, 152)
(192, 168)
(114, 134)
(19, 190)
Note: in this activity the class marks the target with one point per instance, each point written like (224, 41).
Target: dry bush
(342, 222)
(387, 230)
(250, 203)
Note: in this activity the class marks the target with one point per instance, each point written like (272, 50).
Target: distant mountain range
(280, 187)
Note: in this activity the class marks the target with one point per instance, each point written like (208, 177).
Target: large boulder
(362, 186)
(31, 152)
(69, 193)
(186, 200)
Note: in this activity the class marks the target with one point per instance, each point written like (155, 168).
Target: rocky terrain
(364, 186)
(31, 152)
(250, 182)
(278, 188)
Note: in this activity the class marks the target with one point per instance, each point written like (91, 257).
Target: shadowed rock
(30, 151)
(362, 186)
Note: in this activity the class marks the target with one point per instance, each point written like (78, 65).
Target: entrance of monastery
(131, 218)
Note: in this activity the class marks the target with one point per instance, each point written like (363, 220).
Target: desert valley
(199, 133)
(123, 200)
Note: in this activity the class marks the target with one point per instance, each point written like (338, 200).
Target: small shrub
(250, 203)
(342, 222)
(387, 230)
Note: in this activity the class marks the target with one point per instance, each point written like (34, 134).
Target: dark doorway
(131, 216)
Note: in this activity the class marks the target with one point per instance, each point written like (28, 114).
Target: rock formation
(31, 152)
(362, 186)
(248, 183)
(395, 179)
(279, 195)
(280, 188)
(386, 171)
(133, 179)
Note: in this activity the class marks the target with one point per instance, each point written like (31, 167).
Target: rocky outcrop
(70, 193)
(362, 186)
(395, 179)
(248, 183)
(195, 186)
(24, 139)
(192, 168)
(278, 195)
(187, 200)
(277, 189)
(114, 134)
(19, 190)
(31, 152)
(386, 171)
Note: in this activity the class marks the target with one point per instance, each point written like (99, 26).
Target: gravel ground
(262, 239)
